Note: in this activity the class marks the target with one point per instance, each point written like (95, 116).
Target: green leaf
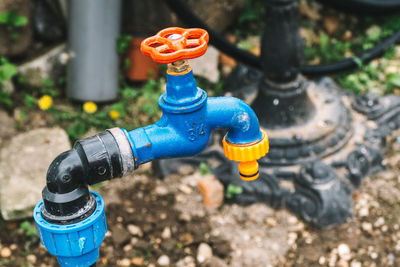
(233, 190)
(14, 35)
(29, 101)
(4, 17)
(323, 41)
(77, 129)
(28, 229)
(20, 20)
(394, 79)
(123, 43)
(47, 82)
(358, 61)
(204, 169)
(7, 71)
(5, 98)
(246, 45)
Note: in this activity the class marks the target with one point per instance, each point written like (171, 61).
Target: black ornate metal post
(323, 141)
(282, 99)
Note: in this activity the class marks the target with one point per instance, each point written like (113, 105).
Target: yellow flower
(90, 107)
(114, 114)
(45, 102)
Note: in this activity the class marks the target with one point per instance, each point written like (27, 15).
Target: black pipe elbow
(92, 160)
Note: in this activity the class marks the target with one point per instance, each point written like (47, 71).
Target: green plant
(250, 20)
(28, 229)
(49, 87)
(29, 101)
(12, 20)
(123, 43)
(233, 190)
(393, 81)
(204, 169)
(96, 187)
(7, 72)
(150, 93)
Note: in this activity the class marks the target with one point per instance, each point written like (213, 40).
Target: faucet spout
(236, 116)
(189, 117)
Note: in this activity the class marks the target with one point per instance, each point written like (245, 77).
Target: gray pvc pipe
(92, 43)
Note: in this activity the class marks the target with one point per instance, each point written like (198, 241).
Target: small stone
(169, 245)
(332, 260)
(166, 233)
(271, 222)
(204, 252)
(363, 212)
(188, 261)
(355, 263)
(185, 217)
(5, 252)
(185, 169)
(124, 262)
(292, 220)
(139, 244)
(322, 260)
(374, 255)
(137, 261)
(342, 263)
(163, 260)
(212, 191)
(127, 248)
(13, 246)
(214, 262)
(344, 252)
(185, 189)
(135, 230)
(186, 238)
(161, 190)
(120, 219)
(120, 236)
(292, 237)
(31, 258)
(379, 222)
(366, 226)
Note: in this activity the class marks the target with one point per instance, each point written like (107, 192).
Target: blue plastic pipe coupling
(75, 244)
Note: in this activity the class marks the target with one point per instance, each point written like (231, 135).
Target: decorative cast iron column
(323, 140)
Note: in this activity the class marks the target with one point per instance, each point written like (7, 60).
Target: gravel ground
(156, 222)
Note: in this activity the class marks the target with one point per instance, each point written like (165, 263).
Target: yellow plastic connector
(247, 155)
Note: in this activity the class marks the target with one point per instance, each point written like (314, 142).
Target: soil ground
(239, 236)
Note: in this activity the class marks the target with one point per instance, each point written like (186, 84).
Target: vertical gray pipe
(94, 26)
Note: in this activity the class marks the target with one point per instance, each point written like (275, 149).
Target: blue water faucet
(70, 219)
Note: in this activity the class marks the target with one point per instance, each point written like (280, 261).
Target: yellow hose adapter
(247, 155)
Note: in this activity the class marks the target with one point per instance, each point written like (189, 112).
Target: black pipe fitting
(92, 160)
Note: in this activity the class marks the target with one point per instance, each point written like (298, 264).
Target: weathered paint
(188, 118)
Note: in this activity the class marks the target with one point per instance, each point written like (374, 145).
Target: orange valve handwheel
(173, 44)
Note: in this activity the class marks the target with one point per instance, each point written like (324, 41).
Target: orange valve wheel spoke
(173, 44)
